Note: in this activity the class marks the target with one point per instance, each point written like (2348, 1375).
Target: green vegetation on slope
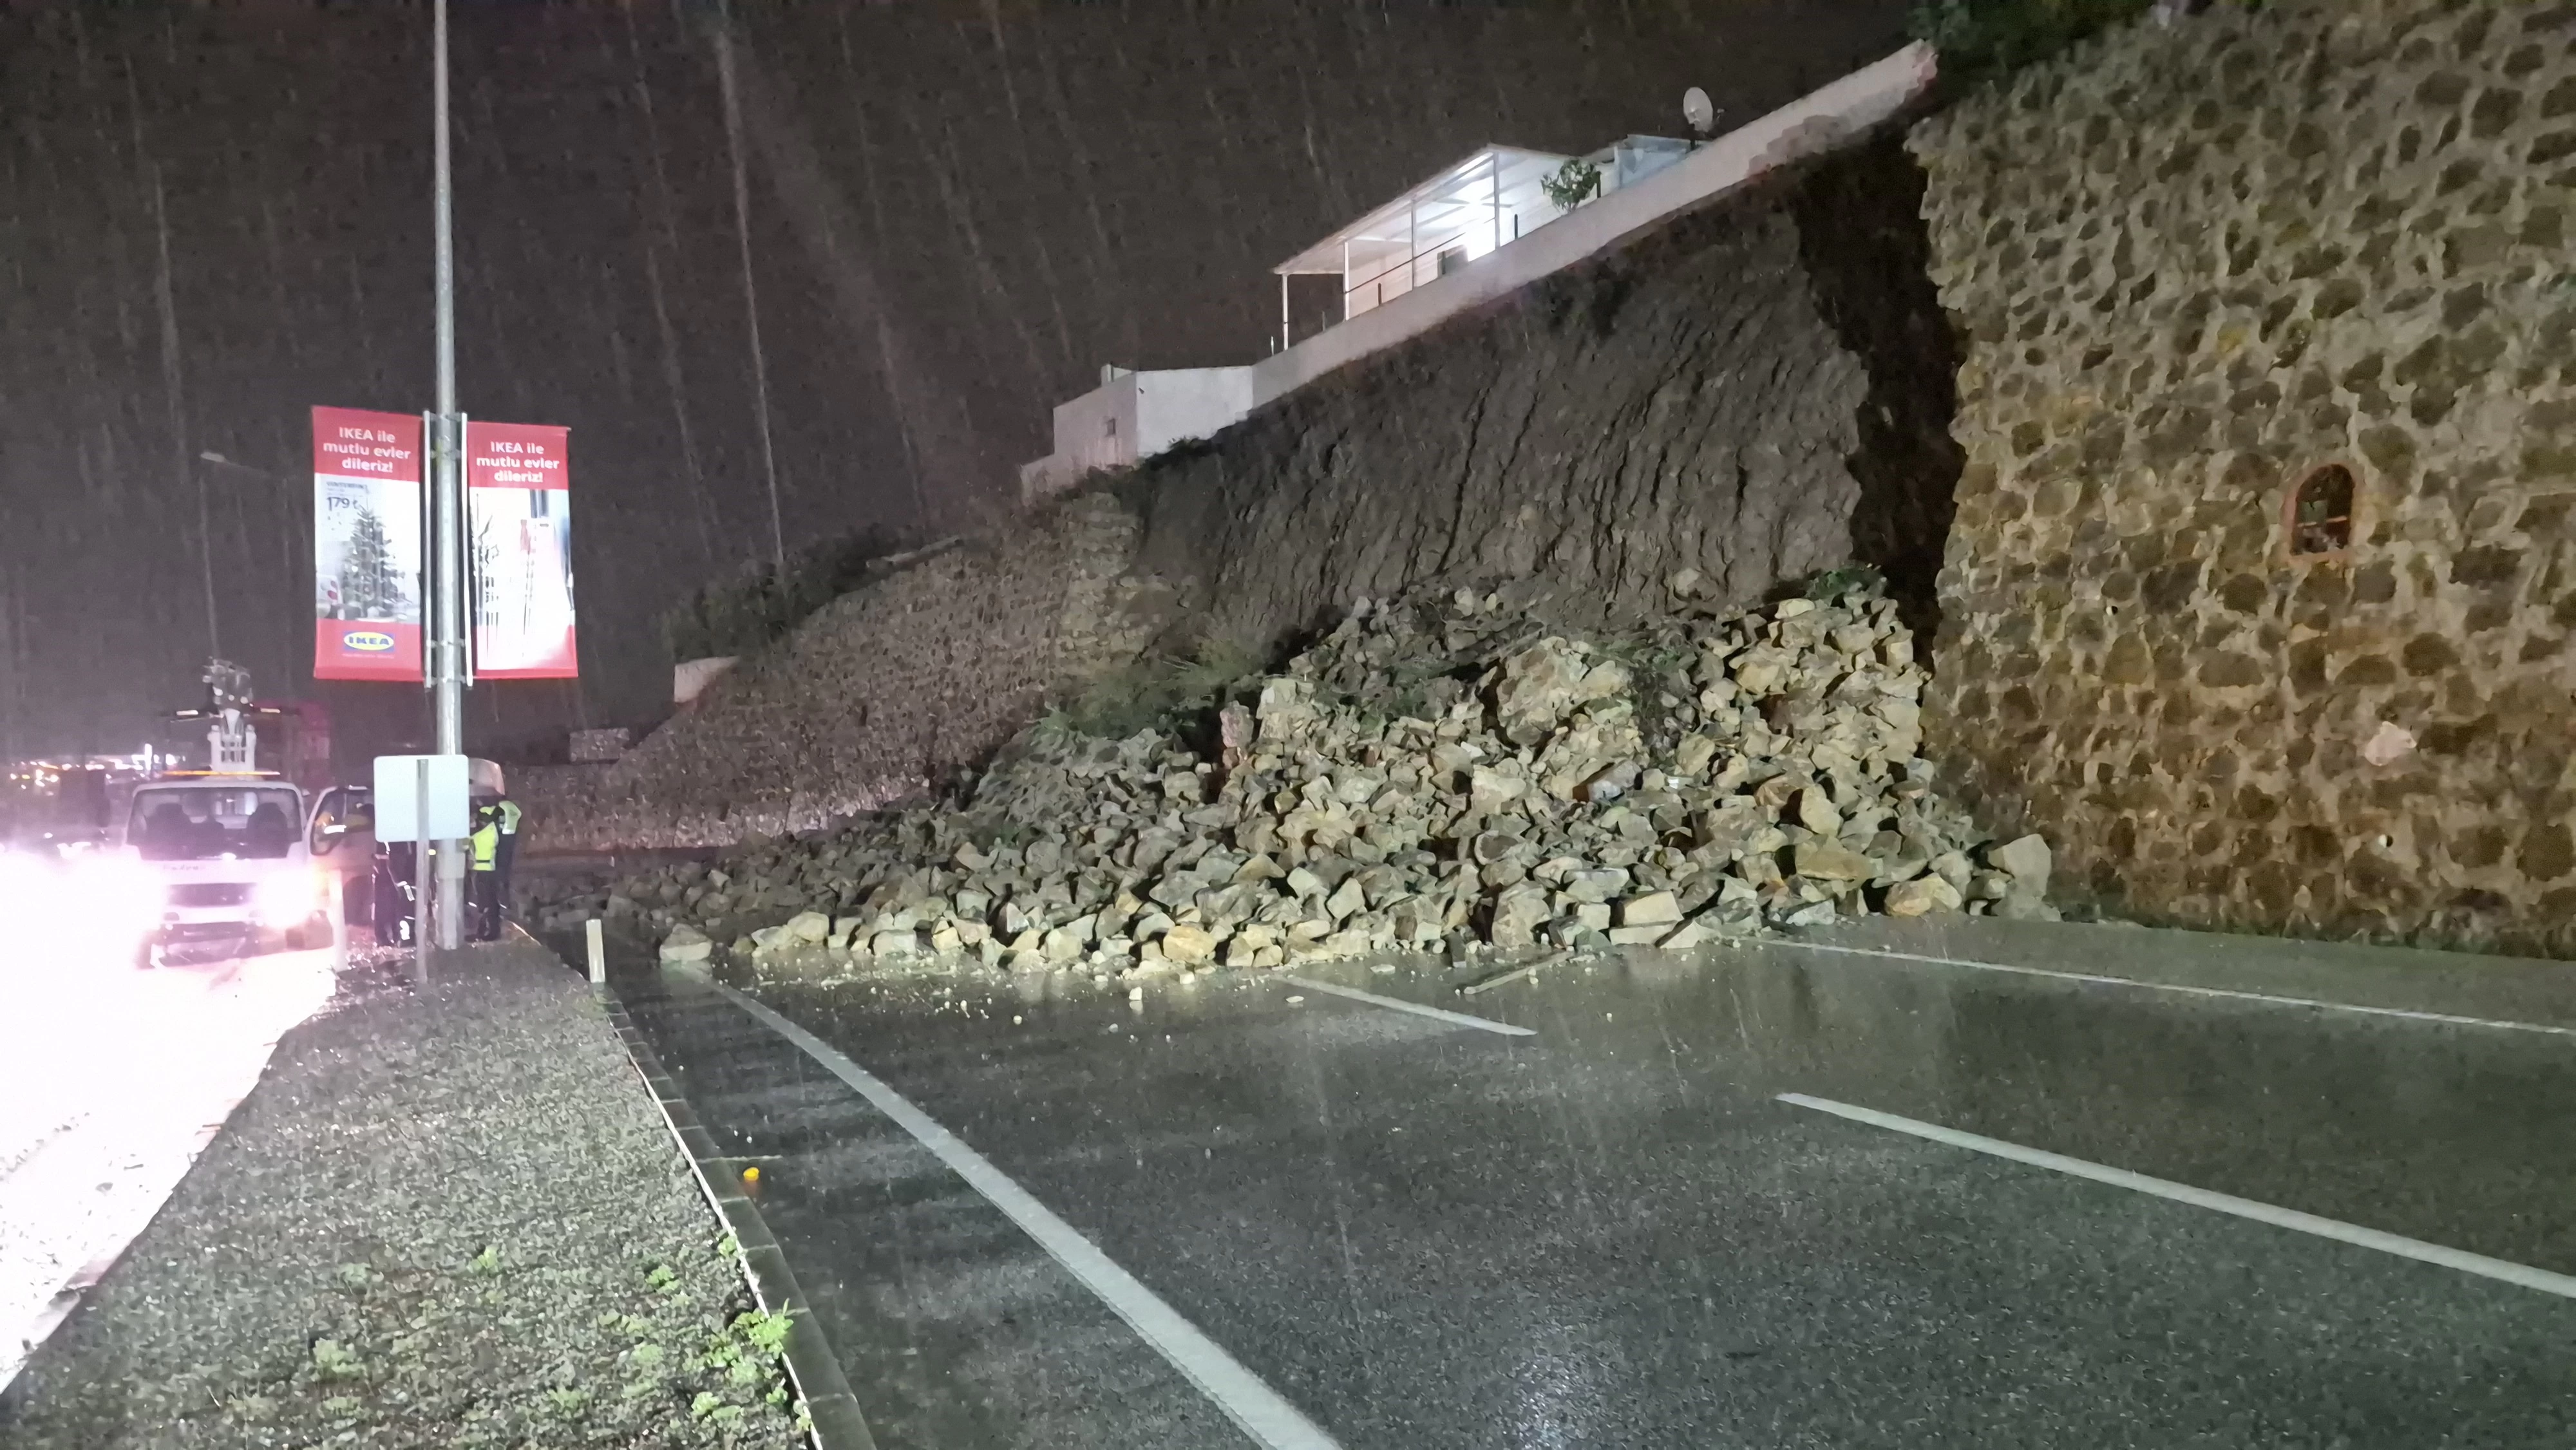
(1983, 40)
(744, 614)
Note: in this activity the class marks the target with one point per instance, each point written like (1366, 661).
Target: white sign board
(400, 798)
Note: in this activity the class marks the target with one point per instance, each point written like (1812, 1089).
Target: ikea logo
(368, 641)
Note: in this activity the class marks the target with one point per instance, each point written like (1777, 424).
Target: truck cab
(230, 858)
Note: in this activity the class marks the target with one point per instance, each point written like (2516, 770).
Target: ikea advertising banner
(519, 536)
(366, 545)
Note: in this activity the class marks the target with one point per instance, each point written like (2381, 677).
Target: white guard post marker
(421, 799)
(598, 952)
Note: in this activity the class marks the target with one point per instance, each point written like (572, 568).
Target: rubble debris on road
(1441, 774)
(449, 1218)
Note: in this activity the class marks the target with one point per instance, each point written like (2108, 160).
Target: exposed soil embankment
(1753, 394)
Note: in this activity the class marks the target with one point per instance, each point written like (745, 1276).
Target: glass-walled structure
(1446, 222)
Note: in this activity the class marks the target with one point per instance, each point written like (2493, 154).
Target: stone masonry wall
(1757, 392)
(2192, 265)
(874, 698)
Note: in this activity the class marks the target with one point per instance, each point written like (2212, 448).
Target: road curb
(833, 1411)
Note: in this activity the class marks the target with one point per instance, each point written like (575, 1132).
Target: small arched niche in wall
(2319, 515)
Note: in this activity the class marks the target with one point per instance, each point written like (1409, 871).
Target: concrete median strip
(1254, 1407)
(2523, 1275)
(442, 1216)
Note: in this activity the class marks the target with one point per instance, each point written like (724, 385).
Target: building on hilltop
(1480, 205)
(1473, 233)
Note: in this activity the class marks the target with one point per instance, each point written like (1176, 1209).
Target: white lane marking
(1258, 1410)
(1457, 1019)
(2562, 1285)
(2318, 1003)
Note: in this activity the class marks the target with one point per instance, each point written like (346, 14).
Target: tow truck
(229, 849)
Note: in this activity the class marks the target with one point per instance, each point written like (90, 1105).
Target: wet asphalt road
(1612, 1233)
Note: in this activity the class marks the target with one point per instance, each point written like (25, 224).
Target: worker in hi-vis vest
(509, 814)
(486, 875)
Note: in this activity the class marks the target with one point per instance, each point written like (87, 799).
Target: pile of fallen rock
(1439, 775)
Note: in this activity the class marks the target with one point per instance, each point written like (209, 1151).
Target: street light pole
(444, 659)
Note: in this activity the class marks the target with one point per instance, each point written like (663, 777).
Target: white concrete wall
(1150, 412)
(1813, 123)
(1098, 429)
(1094, 431)
(1183, 403)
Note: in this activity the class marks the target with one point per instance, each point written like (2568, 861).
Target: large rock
(1923, 896)
(1518, 913)
(687, 944)
(1539, 686)
(1655, 908)
(1816, 811)
(2026, 860)
(1825, 861)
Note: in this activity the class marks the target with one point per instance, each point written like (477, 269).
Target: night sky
(958, 212)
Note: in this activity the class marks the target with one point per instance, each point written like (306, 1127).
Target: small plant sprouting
(765, 1331)
(486, 1262)
(334, 1360)
(662, 1277)
(1990, 39)
(1833, 584)
(715, 1409)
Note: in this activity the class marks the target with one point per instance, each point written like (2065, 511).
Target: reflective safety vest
(487, 847)
(509, 816)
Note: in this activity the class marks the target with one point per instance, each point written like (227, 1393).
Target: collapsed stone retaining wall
(2195, 265)
(1757, 392)
(872, 699)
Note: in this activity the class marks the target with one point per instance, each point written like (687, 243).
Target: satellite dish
(1699, 110)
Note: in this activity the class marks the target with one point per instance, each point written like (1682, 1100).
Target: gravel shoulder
(447, 1218)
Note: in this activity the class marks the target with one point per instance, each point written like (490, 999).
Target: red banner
(366, 545)
(519, 534)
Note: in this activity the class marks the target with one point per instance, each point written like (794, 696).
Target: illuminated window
(2321, 512)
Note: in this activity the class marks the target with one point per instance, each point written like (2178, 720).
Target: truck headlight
(287, 897)
(110, 895)
(28, 892)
